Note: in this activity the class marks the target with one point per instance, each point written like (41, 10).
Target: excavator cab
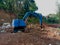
(19, 25)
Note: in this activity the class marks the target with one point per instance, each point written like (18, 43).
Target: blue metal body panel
(21, 22)
(18, 23)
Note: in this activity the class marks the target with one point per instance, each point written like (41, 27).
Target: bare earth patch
(36, 36)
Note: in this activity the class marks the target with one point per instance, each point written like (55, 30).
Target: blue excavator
(20, 24)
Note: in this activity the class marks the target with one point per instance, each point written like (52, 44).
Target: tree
(19, 7)
(1, 4)
(58, 12)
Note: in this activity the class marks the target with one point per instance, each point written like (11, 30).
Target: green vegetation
(33, 20)
(53, 18)
(19, 7)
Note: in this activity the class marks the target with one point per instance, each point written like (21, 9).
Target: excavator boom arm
(39, 16)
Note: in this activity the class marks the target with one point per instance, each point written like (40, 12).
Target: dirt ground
(36, 36)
